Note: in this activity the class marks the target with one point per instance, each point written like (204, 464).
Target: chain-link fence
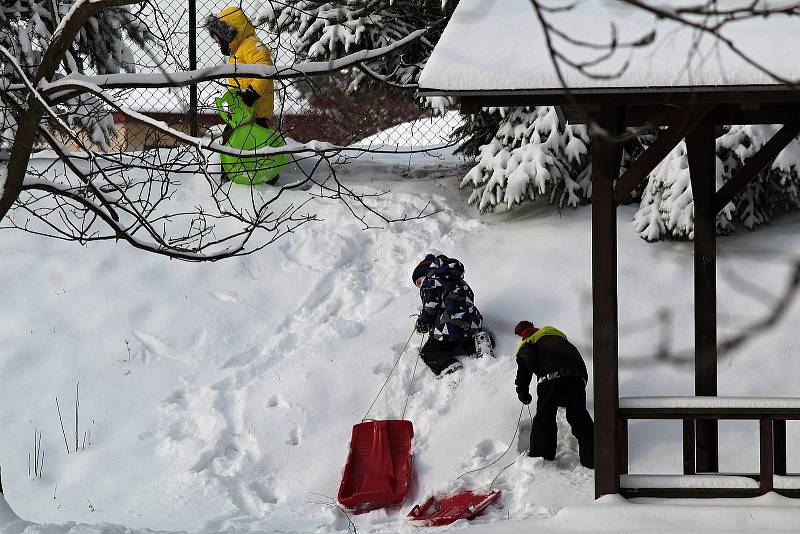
(310, 108)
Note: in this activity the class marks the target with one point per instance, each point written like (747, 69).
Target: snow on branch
(166, 201)
(279, 72)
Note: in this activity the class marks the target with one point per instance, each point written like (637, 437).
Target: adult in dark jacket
(561, 373)
(448, 313)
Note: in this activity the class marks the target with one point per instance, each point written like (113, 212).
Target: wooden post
(622, 447)
(605, 169)
(701, 145)
(766, 458)
(688, 447)
(779, 436)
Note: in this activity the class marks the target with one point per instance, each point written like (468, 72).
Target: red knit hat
(525, 329)
(422, 268)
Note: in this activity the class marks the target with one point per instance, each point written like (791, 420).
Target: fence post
(193, 127)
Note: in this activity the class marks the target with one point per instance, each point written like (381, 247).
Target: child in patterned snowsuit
(448, 313)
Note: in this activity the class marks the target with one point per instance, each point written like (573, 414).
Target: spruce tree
(329, 30)
(383, 90)
(667, 208)
(532, 154)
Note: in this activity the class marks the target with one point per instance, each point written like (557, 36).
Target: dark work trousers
(441, 354)
(572, 391)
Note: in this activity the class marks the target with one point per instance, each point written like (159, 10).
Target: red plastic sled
(378, 469)
(465, 505)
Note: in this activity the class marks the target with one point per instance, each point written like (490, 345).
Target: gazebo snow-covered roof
(501, 46)
(616, 65)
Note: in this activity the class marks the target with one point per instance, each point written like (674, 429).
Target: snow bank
(220, 397)
(425, 132)
(10, 523)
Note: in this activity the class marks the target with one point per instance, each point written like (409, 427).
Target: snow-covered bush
(667, 210)
(522, 154)
(532, 154)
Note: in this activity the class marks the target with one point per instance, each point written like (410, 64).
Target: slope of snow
(426, 132)
(221, 397)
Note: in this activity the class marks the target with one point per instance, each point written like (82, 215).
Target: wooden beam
(598, 99)
(701, 147)
(769, 114)
(638, 114)
(606, 156)
(656, 152)
(694, 493)
(755, 164)
(751, 413)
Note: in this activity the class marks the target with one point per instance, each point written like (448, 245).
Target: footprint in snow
(294, 437)
(225, 297)
(231, 452)
(177, 397)
(154, 345)
(276, 401)
(265, 493)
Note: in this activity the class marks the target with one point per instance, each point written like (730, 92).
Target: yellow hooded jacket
(247, 48)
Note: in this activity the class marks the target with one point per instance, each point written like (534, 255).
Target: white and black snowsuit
(449, 313)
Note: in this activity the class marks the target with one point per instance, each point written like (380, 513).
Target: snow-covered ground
(220, 397)
(418, 134)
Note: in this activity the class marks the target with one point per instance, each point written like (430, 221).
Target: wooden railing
(771, 413)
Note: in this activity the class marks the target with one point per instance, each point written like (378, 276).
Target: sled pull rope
(413, 376)
(516, 429)
(512, 463)
(390, 374)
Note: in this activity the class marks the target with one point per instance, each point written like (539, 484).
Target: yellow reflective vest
(543, 331)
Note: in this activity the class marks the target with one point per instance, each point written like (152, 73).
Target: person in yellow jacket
(236, 37)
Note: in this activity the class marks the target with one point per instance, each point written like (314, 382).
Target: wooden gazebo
(497, 54)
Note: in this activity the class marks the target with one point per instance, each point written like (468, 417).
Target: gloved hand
(249, 96)
(422, 328)
(524, 397)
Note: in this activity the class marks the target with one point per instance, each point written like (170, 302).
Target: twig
(39, 452)
(77, 403)
(66, 443)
